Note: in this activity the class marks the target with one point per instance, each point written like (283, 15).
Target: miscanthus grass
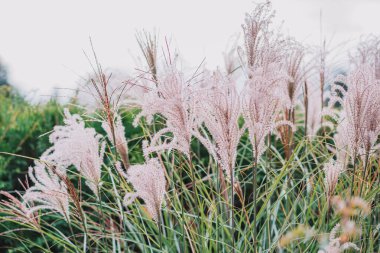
(214, 166)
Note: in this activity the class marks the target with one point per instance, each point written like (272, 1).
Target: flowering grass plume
(119, 136)
(341, 149)
(294, 66)
(49, 190)
(350, 207)
(148, 46)
(218, 108)
(366, 52)
(172, 99)
(18, 210)
(263, 92)
(332, 171)
(261, 105)
(74, 144)
(335, 245)
(313, 108)
(149, 182)
(359, 117)
(296, 77)
(301, 232)
(377, 67)
(262, 45)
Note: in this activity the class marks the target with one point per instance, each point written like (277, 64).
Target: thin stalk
(182, 214)
(72, 233)
(218, 209)
(84, 227)
(100, 210)
(183, 228)
(370, 233)
(77, 203)
(223, 188)
(266, 183)
(44, 238)
(232, 210)
(306, 105)
(196, 193)
(322, 77)
(160, 227)
(353, 176)
(328, 212)
(193, 183)
(290, 147)
(254, 182)
(364, 174)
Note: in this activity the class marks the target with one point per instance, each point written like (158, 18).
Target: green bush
(22, 134)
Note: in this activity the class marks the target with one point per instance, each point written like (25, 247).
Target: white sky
(42, 42)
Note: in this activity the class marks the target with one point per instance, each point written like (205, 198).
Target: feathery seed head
(149, 183)
(332, 171)
(17, 210)
(173, 99)
(120, 140)
(218, 109)
(261, 105)
(336, 244)
(49, 190)
(359, 118)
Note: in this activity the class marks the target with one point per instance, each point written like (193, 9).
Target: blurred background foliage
(22, 129)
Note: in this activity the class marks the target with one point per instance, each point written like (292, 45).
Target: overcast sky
(42, 42)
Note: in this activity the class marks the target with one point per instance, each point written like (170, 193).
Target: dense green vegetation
(23, 129)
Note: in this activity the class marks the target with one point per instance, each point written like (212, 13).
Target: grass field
(198, 162)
